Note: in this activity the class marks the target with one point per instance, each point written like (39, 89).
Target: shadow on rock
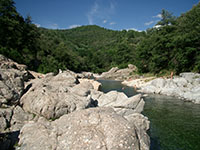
(9, 140)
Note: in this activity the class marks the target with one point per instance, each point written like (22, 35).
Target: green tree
(167, 18)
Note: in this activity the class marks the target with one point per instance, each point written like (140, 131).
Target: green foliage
(167, 18)
(87, 48)
(174, 47)
(18, 36)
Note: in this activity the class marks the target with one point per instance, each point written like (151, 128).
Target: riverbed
(175, 124)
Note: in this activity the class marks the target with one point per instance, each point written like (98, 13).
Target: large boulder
(90, 129)
(6, 63)
(96, 84)
(12, 78)
(11, 86)
(142, 126)
(5, 118)
(54, 96)
(118, 74)
(186, 86)
(121, 103)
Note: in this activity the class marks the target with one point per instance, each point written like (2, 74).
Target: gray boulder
(90, 129)
(118, 74)
(6, 63)
(12, 78)
(5, 118)
(19, 118)
(142, 125)
(54, 96)
(121, 103)
(189, 76)
(11, 86)
(186, 87)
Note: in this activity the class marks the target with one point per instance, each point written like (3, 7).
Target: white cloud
(158, 16)
(52, 26)
(101, 10)
(157, 26)
(149, 23)
(105, 21)
(112, 23)
(38, 25)
(74, 26)
(134, 29)
(93, 12)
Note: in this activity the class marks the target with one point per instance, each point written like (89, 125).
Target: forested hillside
(87, 48)
(173, 46)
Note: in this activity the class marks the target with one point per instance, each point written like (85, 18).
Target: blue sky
(111, 14)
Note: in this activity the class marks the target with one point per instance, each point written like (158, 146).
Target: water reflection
(110, 85)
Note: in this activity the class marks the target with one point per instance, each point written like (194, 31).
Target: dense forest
(173, 46)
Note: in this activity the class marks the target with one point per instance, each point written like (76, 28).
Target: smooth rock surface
(121, 103)
(54, 96)
(118, 74)
(90, 129)
(186, 86)
(142, 125)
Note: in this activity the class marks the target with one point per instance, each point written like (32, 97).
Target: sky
(111, 14)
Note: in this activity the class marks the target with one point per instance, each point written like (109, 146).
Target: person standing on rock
(172, 74)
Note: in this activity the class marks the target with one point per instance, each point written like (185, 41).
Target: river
(175, 124)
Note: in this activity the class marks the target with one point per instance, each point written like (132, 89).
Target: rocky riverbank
(186, 86)
(62, 112)
(117, 74)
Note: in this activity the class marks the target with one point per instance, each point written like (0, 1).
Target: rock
(96, 84)
(121, 103)
(159, 83)
(87, 75)
(189, 76)
(19, 118)
(82, 89)
(118, 74)
(185, 87)
(90, 129)
(95, 94)
(12, 78)
(11, 86)
(142, 125)
(6, 63)
(5, 118)
(54, 96)
(36, 75)
(133, 67)
(11, 121)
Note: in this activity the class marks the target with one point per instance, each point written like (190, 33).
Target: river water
(175, 124)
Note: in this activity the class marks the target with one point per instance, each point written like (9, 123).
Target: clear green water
(175, 124)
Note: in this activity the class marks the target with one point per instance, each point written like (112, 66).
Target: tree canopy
(173, 46)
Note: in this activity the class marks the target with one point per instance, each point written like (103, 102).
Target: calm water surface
(175, 124)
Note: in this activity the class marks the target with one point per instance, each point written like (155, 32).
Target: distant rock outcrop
(118, 74)
(186, 86)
